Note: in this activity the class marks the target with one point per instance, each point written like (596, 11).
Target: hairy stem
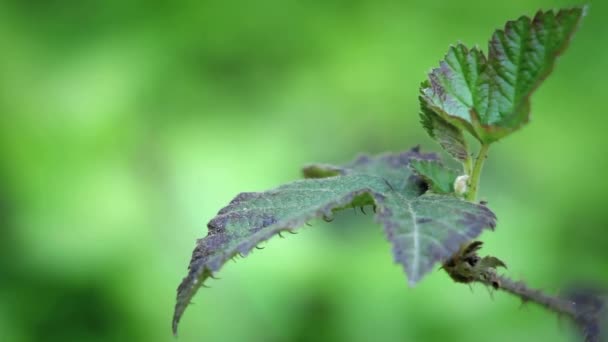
(526, 294)
(476, 174)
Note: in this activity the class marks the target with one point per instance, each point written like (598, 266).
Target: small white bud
(461, 184)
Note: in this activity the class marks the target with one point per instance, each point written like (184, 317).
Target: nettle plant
(429, 212)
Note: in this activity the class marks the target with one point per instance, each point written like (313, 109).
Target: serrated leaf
(449, 137)
(424, 228)
(429, 228)
(251, 218)
(440, 178)
(490, 97)
(390, 166)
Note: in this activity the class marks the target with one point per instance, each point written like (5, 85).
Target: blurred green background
(126, 125)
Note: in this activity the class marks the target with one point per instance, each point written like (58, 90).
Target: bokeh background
(126, 125)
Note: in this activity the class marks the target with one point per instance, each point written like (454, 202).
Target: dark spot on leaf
(419, 184)
(472, 260)
(267, 221)
(217, 224)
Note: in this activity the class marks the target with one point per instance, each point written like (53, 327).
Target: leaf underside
(424, 228)
(447, 135)
(490, 97)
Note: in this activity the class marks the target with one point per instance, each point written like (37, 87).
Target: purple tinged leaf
(389, 166)
(429, 228)
(447, 135)
(490, 97)
(424, 229)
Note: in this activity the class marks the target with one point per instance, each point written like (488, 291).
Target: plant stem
(476, 174)
(526, 294)
(467, 165)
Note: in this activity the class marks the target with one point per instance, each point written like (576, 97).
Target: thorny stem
(519, 289)
(474, 180)
(466, 266)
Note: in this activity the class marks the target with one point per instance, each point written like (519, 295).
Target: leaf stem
(476, 174)
(519, 289)
(467, 165)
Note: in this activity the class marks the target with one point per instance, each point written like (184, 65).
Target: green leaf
(424, 228)
(449, 137)
(322, 171)
(490, 97)
(490, 262)
(440, 178)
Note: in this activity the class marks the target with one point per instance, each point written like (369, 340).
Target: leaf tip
(177, 315)
(174, 327)
(413, 280)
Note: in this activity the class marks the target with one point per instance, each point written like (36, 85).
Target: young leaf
(449, 137)
(322, 171)
(424, 228)
(440, 178)
(490, 97)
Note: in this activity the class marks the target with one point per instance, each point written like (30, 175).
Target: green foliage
(423, 228)
(413, 194)
(490, 97)
(447, 135)
(438, 177)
